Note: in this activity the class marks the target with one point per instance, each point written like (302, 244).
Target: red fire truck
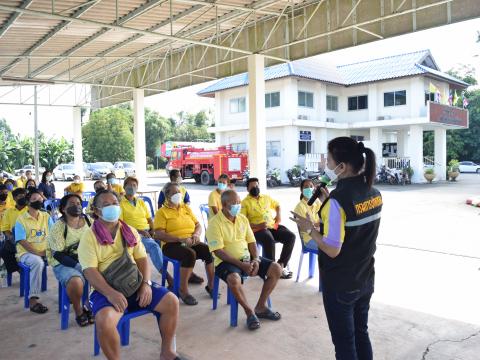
(206, 165)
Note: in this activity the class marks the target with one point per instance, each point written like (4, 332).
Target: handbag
(123, 275)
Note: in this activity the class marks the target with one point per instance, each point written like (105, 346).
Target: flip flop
(189, 300)
(39, 308)
(82, 320)
(195, 279)
(210, 292)
(269, 314)
(253, 323)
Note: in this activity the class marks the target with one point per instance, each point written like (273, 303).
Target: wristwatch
(257, 259)
(148, 282)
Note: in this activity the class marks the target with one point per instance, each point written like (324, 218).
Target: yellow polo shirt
(233, 237)
(57, 242)
(10, 202)
(75, 188)
(214, 199)
(118, 189)
(303, 209)
(135, 215)
(10, 218)
(259, 210)
(33, 230)
(4, 208)
(21, 182)
(179, 222)
(93, 255)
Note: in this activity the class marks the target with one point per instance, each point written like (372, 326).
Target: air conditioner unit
(302, 117)
(330, 119)
(387, 117)
(380, 117)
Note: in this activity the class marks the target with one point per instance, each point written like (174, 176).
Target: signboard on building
(305, 136)
(448, 115)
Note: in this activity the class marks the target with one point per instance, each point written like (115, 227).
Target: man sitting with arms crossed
(231, 240)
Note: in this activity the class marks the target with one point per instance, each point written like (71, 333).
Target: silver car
(65, 172)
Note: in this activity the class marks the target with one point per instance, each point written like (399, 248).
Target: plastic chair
(176, 273)
(87, 195)
(204, 212)
(25, 283)
(84, 204)
(150, 204)
(52, 206)
(312, 259)
(230, 300)
(9, 279)
(64, 303)
(123, 328)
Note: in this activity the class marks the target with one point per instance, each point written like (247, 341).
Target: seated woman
(179, 230)
(46, 187)
(113, 184)
(214, 199)
(77, 187)
(98, 186)
(62, 254)
(307, 188)
(31, 185)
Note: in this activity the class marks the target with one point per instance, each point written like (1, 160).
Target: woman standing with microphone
(350, 218)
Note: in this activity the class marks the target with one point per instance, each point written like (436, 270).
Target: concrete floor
(425, 305)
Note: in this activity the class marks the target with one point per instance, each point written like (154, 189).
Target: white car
(127, 166)
(469, 166)
(65, 172)
(31, 168)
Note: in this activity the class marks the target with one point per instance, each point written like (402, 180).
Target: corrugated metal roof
(390, 67)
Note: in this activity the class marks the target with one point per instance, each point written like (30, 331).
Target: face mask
(331, 173)
(235, 209)
(37, 205)
(130, 190)
(178, 181)
(110, 213)
(22, 202)
(31, 188)
(222, 186)
(49, 178)
(3, 197)
(307, 192)
(74, 210)
(9, 187)
(76, 181)
(176, 199)
(255, 191)
(112, 181)
(97, 190)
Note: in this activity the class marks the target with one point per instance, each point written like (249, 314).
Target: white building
(383, 102)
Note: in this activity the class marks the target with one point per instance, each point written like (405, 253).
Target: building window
(332, 103)
(272, 99)
(273, 149)
(358, 137)
(395, 98)
(305, 99)
(305, 147)
(357, 102)
(239, 147)
(237, 105)
(429, 96)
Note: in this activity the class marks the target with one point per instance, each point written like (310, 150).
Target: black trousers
(188, 255)
(9, 260)
(269, 237)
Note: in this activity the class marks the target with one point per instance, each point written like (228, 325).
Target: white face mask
(331, 173)
(176, 199)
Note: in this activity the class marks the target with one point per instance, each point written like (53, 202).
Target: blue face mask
(222, 186)
(235, 209)
(110, 213)
(112, 181)
(307, 192)
(9, 187)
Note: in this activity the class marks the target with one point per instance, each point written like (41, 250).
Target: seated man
(176, 178)
(231, 240)
(267, 230)
(100, 247)
(214, 199)
(77, 187)
(4, 205)
(7, 223)
(113, 184)
(98, 186)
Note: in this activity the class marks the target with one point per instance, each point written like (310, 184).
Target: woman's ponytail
(370, 167)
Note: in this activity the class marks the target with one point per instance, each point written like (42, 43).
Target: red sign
(448, 115)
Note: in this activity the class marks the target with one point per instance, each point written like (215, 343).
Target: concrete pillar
(321, 141)
(440, 153)
(415, 152)
(376, 139)
(402, 143)
(77, 141)
(257, 151)
(289, 150)
(36, 137)
(139, 136)
(372, 103)
(289, 99)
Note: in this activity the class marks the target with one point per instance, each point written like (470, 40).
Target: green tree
(54, 151)
(157, 131)
(465, 73)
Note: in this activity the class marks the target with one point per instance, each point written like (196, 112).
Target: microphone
(324, 181)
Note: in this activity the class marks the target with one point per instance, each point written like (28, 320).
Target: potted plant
(429, 174)
(453, 169)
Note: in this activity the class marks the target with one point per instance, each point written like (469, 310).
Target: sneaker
(286, 274)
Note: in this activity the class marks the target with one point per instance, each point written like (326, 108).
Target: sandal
(189, 300)
(253, 323)
(210, 292)
(39, 308)
(82, 320)
(90, 316)
(195, 279)
(269, 314)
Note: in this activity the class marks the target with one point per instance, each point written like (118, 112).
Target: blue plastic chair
(230, 300)
(123, 328)
(150, 204)
(204, 212)
(176, 273)
(9, 279)
(52, 206)
(64, 303)
(87, 195)
(84, 205)
(312, 259)
(25, 283)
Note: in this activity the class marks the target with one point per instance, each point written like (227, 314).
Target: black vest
(354, 266)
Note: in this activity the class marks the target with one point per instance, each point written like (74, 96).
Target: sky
(451, 45)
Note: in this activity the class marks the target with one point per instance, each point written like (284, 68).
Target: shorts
(98, 301)
(224, 269)
(65, 273)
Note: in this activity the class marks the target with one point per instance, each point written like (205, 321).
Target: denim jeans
(347, 316)
(36, 265)
(155, 252)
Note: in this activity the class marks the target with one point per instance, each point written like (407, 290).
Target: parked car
(31, 168)
(3, 173)
(98, 171)
(127, 166)
(469, 166)
(65, 172)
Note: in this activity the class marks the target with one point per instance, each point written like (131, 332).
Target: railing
(428, 161)
(315, 162)
(396, 162)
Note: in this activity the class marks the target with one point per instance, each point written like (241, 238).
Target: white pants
(36, 265)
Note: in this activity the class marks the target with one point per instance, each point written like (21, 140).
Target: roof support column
(257, 148)
(440, 153)
(77, 141)
(139, 136)
(35, 137)
(415, 152)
